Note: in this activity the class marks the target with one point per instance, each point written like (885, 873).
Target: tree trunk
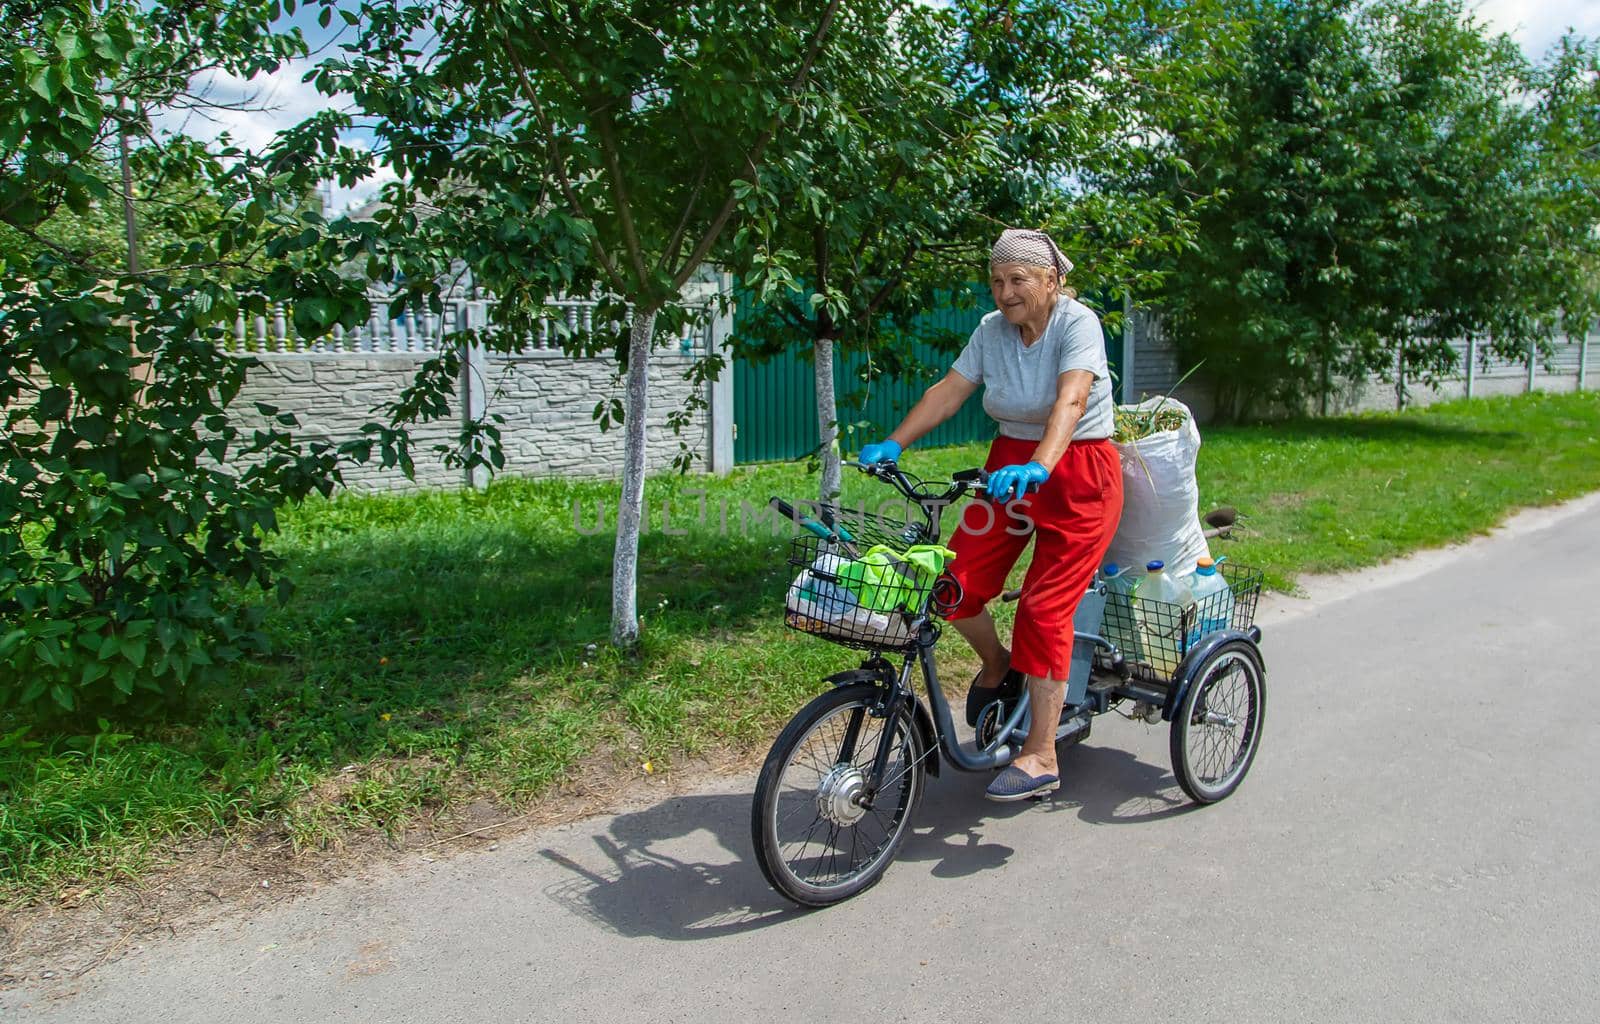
(130, 221)
(827, 420)
(630, 507)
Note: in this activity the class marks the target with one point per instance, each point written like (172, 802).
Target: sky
(1537, 24)
(284, 99)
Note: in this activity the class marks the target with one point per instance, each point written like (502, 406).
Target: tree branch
(819, 242)
(619, 190)
(893, 281)
(576, 208)
(675, 243)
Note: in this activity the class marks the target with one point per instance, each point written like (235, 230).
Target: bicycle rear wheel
(1217, 728)
(816, 839)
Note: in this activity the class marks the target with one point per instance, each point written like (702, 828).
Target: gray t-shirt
(1020, 380)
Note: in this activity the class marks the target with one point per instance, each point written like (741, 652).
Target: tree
(131, 505)
(1384, 191)
(1563, 269)
(599, 146)
(965, 120)
(884, 210)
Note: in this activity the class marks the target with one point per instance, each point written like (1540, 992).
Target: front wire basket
(1154, 636)
(839, 598)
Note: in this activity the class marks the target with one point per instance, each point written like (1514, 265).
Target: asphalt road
(1417, 842)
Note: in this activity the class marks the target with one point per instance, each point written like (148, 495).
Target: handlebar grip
(871, 468)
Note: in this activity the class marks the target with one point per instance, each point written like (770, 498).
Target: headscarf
(1034, 248)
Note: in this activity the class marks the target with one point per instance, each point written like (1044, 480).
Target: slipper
(1016, 784)
(980, 697)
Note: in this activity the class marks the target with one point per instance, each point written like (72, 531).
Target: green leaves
(1376, 189)
(133, 513)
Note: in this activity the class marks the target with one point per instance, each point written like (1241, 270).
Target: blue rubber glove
(1021, 479)
(883, 451)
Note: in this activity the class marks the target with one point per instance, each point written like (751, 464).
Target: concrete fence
(547, 397)
(335, 385)
(1155, 370)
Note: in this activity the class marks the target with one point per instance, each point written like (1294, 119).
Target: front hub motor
(839, 794)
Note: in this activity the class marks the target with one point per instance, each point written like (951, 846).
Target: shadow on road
(684, 869)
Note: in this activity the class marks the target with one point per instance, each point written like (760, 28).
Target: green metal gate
(775, 411)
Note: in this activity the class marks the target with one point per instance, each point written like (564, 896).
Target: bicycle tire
(1216, 730)
(781, 803)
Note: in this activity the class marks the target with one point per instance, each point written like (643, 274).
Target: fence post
(1127, 349)
(721, 411)
(1400, 379)
(1472, 360)
(474, 393)
(1533, 356)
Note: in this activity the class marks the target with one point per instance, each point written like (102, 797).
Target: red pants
(1074, 516)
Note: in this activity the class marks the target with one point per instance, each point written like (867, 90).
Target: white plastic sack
(1160, 497)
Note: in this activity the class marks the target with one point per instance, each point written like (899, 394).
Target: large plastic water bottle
(1213, 600)
(1120, 625)
(1161, 604)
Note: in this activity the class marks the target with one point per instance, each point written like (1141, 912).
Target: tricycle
(834, 800)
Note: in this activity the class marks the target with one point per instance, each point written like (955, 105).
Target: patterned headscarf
(1034, 248)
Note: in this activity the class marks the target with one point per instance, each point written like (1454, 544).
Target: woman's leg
(987, 544)
(985, 640)
(1076, 515)
(1038, 755)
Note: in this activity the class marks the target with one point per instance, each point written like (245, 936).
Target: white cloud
(251, 112)
(1536, 25)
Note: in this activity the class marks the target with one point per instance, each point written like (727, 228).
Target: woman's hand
(883, 451)
(1021, 479)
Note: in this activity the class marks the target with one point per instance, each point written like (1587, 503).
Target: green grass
(438, 648)
(1338, 494)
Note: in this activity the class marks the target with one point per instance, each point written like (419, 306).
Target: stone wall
(1153, 368)
(547, 399)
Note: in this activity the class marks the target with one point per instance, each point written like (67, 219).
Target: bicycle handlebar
(915, 489)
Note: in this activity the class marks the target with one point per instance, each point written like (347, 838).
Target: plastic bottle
(1213, 600)
(1120, 626)
(1161, 604)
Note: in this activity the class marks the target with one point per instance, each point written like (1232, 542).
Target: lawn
(451, 647)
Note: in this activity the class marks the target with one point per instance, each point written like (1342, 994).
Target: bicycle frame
(936, 720)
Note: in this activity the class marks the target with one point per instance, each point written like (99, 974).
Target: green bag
(884, 579)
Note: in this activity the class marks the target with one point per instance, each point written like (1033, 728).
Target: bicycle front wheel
(818, 838)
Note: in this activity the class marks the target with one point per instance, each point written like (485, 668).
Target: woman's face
(1023, 294)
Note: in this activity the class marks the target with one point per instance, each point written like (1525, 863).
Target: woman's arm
(938, 404)
(1072, 399)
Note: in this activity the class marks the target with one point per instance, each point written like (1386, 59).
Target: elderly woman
(1042, 360)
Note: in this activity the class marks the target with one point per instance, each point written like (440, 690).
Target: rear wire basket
(825, 602)
(1154, 636)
